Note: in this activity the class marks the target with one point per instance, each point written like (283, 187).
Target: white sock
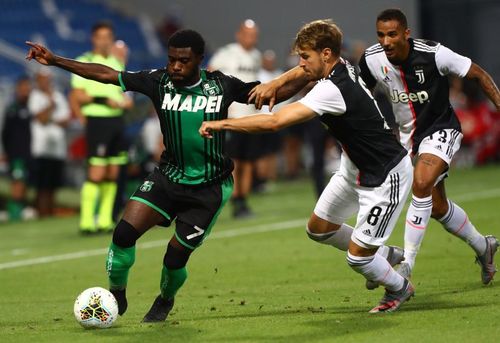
(456, 222)
(376, 268)
(339, 239)
(417, 219)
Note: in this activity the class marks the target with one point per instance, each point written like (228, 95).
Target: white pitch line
(158, 243)
(491, 193)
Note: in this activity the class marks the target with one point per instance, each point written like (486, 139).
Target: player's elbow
(275, 124)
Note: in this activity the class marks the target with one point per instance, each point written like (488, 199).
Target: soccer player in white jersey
(413, 74)
(375, 173)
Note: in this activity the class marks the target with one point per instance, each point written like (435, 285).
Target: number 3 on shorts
(199, 232)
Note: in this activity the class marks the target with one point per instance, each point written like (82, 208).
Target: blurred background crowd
(43, 146)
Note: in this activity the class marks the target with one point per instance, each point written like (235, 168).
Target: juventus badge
(420, 75)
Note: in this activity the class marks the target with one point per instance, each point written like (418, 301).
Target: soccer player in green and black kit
(194, 179)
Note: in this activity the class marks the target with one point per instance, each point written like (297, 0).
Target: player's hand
(207, 127)
(264, 93)
(40, 53)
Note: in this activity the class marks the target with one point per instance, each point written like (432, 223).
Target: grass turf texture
(248, 284)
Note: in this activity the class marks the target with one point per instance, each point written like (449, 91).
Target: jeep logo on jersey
(404, 97)
(210, 88)
(420, 75)
(210, 104)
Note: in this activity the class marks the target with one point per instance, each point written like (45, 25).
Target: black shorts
(244, 146)
(106, 142)
(195, 208)
(47, 173)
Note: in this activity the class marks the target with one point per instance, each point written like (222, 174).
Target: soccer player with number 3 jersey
(413, 74)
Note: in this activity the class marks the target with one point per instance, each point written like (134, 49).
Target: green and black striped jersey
(189, 158)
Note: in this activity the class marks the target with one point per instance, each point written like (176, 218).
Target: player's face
(311, 61)
(103, 40)
(183, 66)
(248, 37)
(393, 37)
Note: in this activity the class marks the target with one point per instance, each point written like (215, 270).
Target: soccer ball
(96, 307)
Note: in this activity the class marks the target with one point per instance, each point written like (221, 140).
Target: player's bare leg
(137, 219)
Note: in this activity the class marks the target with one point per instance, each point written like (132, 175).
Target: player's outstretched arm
(288, 115)
(486, 82)
(92, 71)
(281, 88)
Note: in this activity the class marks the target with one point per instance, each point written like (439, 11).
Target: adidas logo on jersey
(367, 232)
(210, 104)
(404, 97)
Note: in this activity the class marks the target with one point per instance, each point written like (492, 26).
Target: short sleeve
(240, 89)
(141, 81)
(325, 97)
(449, 62)
(365, 73)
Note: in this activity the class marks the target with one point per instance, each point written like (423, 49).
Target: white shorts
(378, 207)
(443, 144)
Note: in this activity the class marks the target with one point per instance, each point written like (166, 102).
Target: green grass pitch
(255, 280)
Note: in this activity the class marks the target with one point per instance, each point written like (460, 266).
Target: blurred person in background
(16, 140)
(100, 108)
(266, 166)
(242, 60)
(51, 114)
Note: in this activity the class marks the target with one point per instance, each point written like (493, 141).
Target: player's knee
(176, 257)
(422, 187)
(125, 235)
(317, 235)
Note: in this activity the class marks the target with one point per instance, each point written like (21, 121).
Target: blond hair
(318, 35)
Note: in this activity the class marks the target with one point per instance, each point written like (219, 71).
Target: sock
(339, 239)
(171, 281)
(108, 194)
(89, 196)
(118, 265)
(456, 222)
(15, 209)
(417, 219)
(376, 268)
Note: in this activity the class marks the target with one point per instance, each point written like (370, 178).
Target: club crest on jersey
(385, 71)
(420, 75)
(169, 85)
(210, 88)
(147, 186)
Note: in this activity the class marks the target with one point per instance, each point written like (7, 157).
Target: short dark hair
(318, 35)
(103, 24)
(393, 14)
(188, 39)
